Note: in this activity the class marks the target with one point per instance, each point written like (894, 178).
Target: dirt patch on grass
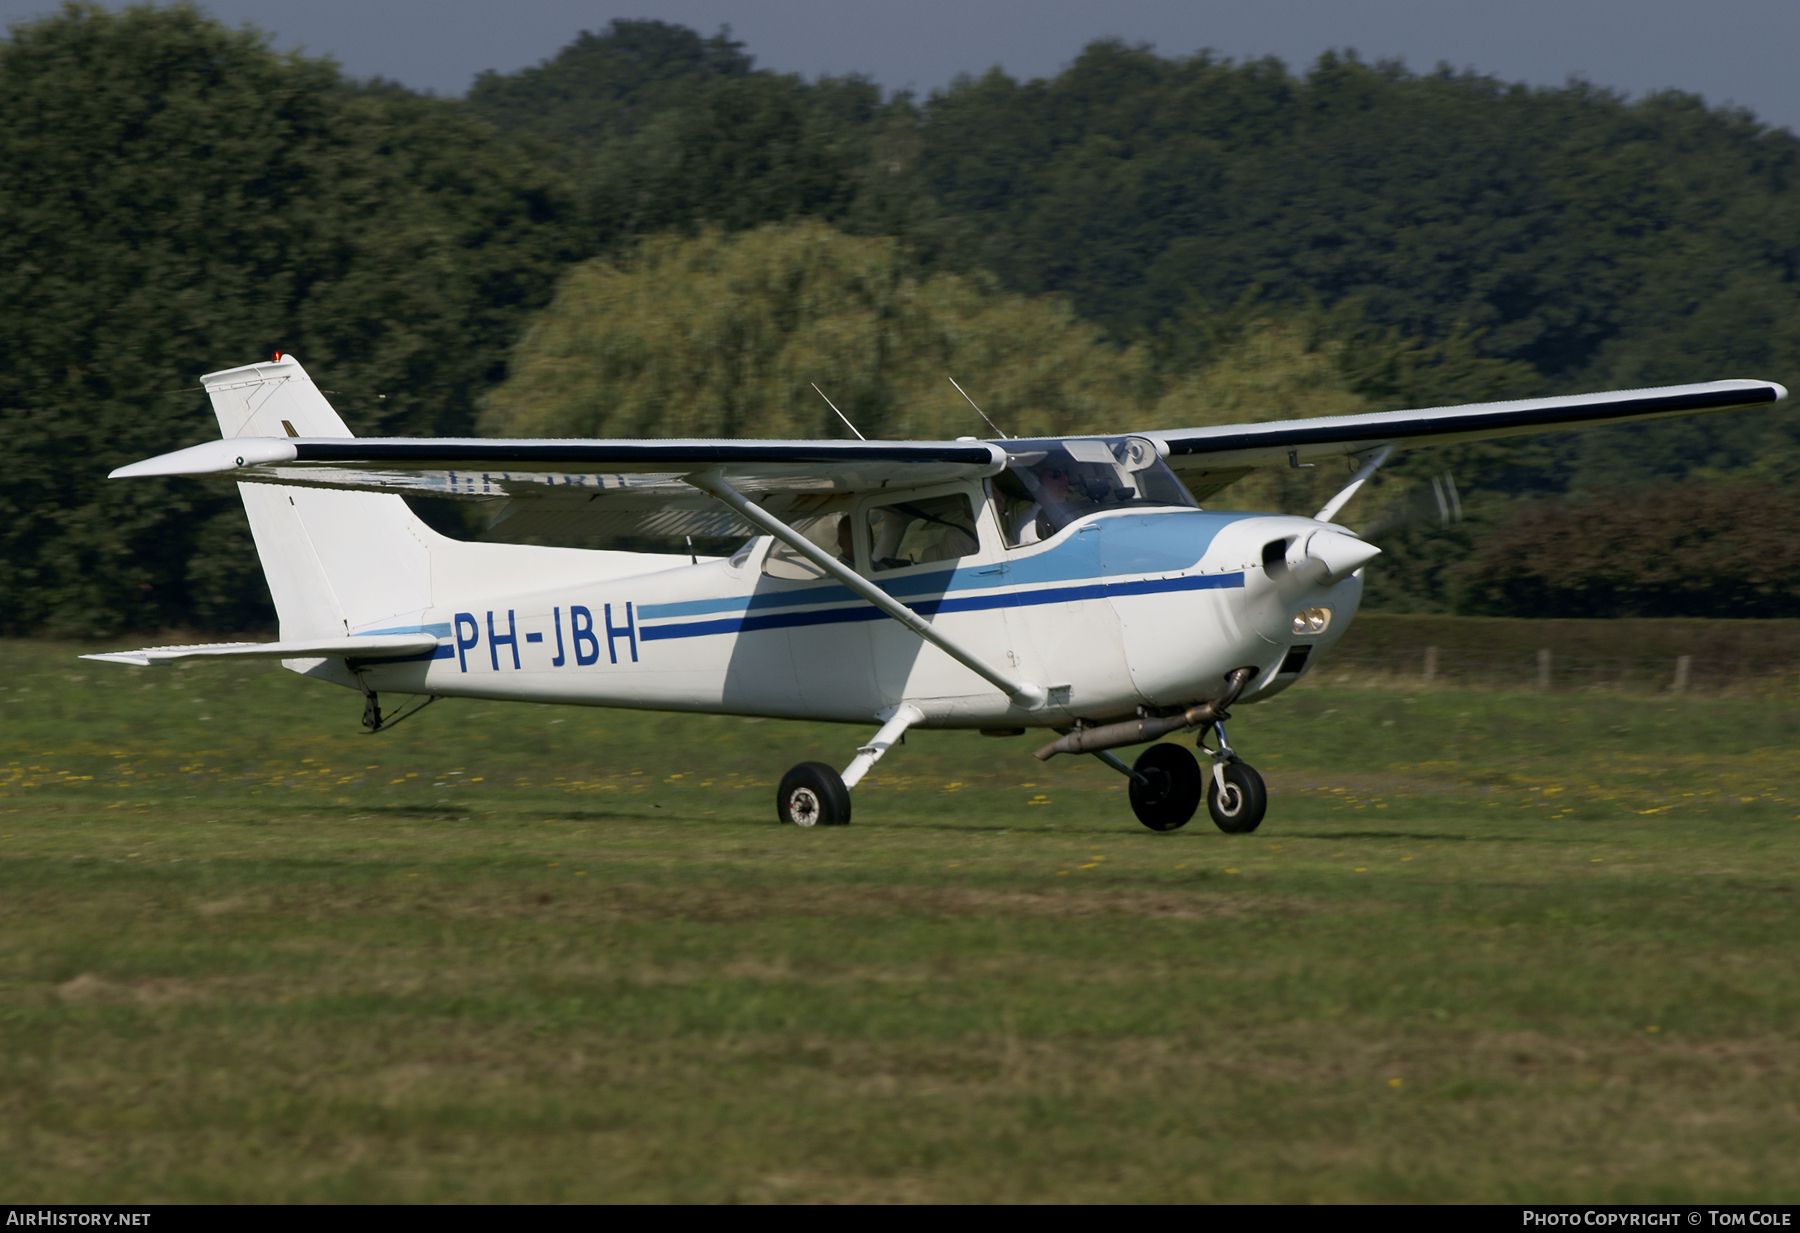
(90, 990)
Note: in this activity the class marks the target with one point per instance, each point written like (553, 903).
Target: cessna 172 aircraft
(1073, 585)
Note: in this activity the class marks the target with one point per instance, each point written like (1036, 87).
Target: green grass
(1486, 947)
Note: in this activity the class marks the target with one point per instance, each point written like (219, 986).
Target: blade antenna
(978, 410)
(840, 414)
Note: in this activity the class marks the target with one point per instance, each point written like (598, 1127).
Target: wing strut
(1022, 693)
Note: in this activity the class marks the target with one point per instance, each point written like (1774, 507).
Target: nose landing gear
(1165, 787)
(1167, 783)
(1236, 797)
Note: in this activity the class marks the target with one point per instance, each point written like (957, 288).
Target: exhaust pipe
(1137, 731)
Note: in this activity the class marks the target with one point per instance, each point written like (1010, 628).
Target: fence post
(1544, 668)
(1430, 664)
(1681, 673)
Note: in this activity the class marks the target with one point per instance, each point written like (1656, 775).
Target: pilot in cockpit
(1049, 509)
(1048, 485)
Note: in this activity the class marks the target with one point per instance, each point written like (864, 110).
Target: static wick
(978, 410)
(840, 414)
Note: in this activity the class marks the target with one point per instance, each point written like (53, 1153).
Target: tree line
(646, 234)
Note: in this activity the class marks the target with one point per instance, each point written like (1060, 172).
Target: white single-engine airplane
(1072, 584)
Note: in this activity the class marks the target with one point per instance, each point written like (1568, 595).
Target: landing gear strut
(812, 794)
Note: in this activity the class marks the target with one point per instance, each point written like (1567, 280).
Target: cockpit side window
(1049, 484)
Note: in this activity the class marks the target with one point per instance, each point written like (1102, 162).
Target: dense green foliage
(1218, 240)
(723, 336)
(177, 198)
(1575, 231)
(1689, 549)
(606, 86)
(663, 129)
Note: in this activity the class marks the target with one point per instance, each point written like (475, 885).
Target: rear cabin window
(832, 532)
(917, 532)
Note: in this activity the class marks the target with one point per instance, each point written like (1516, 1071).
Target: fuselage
(1116, 611)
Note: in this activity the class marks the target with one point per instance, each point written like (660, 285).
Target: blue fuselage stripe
(931, 607)
(1161, 543)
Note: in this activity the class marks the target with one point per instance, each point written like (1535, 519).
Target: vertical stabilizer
(337, 562)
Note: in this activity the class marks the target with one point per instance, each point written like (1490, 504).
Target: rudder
(336, 562)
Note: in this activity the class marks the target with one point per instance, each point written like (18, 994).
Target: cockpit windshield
(1048, 484)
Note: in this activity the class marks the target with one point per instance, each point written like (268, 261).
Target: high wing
(642, 487)
(1207, 459)
(591, 487)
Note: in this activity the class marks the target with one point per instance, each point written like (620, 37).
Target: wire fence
(1549, 672)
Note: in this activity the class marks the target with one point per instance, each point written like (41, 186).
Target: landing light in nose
(1312, 620)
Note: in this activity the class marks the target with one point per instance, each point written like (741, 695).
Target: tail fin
(336, 561)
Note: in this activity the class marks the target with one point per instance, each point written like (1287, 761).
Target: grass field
(1486, 947)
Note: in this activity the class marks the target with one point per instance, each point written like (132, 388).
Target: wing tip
(210, 458)
(136, 659)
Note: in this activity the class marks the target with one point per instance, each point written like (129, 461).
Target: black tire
(1171, 796)
(1239, 809)
(812, 794)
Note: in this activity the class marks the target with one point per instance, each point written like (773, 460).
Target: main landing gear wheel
(1169, 792)
(1237, 809)
(812, 794)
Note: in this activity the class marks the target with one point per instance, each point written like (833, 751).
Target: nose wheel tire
(1169, 792)
(812, 794)
(1238, 809)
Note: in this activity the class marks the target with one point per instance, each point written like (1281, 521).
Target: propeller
(1436, 501)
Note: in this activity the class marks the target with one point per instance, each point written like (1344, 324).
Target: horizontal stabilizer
(353, 648)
